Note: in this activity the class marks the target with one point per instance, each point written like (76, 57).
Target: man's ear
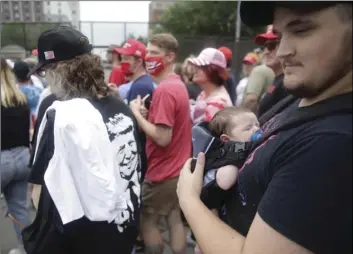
(171, 57)
(224, 138)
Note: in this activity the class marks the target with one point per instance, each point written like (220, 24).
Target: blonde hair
(80, 77)
(11, 95)
(165, 41)
(187, 69)
(221, 122)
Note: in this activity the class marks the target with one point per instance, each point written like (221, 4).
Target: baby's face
(245, 125)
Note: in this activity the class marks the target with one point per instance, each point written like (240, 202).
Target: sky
(114, 11)
(105, 34)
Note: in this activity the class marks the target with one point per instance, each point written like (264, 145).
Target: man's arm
(306, 206)
(261, 238)
(159, 134)
(251, 102)
(161, 131)
(254, 89)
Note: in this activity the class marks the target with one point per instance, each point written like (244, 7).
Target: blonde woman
(187, 74)
(15, 125)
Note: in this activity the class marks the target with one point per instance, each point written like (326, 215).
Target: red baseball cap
(261, 39)
(35, 52)
(132, 48)
(226, 52)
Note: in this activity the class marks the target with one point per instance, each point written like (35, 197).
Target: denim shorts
(14, 174)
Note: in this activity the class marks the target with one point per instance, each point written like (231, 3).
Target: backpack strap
(341, 104)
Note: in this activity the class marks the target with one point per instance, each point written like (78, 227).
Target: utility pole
(236, 55)
(238, 23)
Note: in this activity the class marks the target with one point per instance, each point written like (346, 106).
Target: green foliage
(206, 18)
(140, 38)
(25, 35)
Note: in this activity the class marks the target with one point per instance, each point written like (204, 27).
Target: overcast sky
(114, 11)
(105, 34)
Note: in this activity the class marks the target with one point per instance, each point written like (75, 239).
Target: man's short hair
(21, 70)
(221, 122)
(165, 41)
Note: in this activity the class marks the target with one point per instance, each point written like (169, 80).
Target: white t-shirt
(241, 87)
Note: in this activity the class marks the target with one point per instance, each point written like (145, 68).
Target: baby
(230, 124)
(236, 124)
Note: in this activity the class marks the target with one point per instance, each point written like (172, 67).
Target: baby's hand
(226, 176)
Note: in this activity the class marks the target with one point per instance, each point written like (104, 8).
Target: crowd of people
(257, 165)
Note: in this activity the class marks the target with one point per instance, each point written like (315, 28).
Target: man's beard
(304, 91)
(309, 91)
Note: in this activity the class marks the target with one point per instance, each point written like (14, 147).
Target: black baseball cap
(21, 70)
(59, 44)
(261, 13)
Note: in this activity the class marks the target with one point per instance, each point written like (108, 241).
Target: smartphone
(146, 101)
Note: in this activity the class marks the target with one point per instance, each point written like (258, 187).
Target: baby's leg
(226, 176)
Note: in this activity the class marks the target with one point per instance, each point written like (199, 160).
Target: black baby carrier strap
(217, 154)
(338, 105)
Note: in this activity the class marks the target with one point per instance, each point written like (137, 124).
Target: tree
(139, 38)
(22, 34)
(206, 18)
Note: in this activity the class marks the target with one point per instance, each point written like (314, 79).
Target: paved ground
(8, 238)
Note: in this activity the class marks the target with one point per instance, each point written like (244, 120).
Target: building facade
(40, 12)
(157, 8)
(22, 11)
(62, 11)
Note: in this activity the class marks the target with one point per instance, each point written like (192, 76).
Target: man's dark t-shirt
(299, 181)
(274, 94)
(44, 105)
(142, 86)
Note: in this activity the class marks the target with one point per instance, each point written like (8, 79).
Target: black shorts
(87, 237)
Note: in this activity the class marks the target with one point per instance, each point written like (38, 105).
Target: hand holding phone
(143, 109)
(146, 101)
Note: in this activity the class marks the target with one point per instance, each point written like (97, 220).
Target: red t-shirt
(170, 106)
(117, 76)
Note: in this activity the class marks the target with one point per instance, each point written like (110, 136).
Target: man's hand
(112, 85)
(135, 105)
(190, 184)
(144, 111)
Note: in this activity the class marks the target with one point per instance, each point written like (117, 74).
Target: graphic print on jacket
(124, 137)
(121, 133)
